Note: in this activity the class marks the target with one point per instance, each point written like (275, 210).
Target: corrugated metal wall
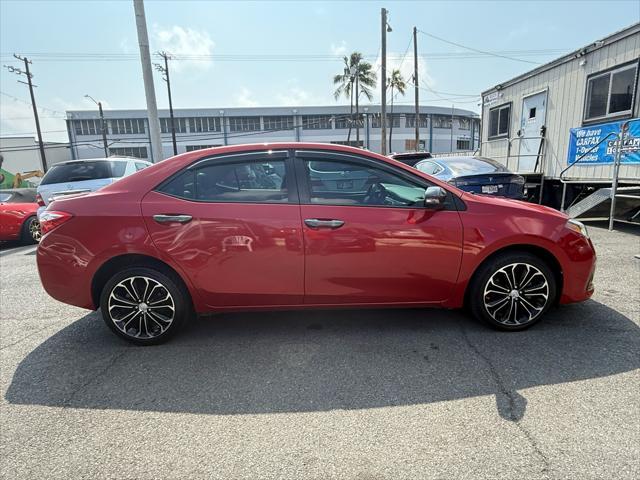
(566, 84)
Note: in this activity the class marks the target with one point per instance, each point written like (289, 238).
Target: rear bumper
(64, 271)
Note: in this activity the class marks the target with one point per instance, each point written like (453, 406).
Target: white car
(80, 176)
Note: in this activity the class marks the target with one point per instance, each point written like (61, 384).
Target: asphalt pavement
(356, 394)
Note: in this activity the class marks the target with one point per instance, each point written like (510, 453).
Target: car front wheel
(144, 306)
(512, 291)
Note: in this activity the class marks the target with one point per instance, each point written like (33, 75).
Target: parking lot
(337, 394)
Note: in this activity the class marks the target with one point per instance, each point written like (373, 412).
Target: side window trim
(248, 157)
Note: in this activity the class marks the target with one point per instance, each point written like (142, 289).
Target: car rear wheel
(144, 306)
(30, 231)
(512, 291)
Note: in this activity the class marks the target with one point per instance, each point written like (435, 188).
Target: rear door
(368, 237)
(232, 223)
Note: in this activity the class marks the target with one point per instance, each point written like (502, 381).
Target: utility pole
(415, 84)
(383, 84)
(357, 108)
(452, 128)
(103, 125)
(147, 74)
(165, 71)
(29, 76)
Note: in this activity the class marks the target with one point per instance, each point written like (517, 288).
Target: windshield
(474, 165)
(79, 171)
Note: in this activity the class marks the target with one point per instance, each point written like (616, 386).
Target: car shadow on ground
(304, 361)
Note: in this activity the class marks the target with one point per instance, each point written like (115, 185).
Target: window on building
(423, 120)
(204, 124)
(611, 94)
(88, 127)
(137, 152)
(239, 182)
(180, 124)
(191, 148)
(316, 122)
(441, 121)
(126, 126)
(278, 122)
(464, 123)
(376, 120)
(244, 124)
(463, 144)
(499, 119)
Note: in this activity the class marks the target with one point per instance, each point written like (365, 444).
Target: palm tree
(396, 81)
(361, 73)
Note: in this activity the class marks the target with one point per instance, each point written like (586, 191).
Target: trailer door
(534, 109)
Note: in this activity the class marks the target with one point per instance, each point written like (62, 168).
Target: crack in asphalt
(516, 403)
(96, 376)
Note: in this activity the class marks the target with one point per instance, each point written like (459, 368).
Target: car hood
(519, 205)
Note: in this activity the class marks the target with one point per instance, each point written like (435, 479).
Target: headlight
(577, 227)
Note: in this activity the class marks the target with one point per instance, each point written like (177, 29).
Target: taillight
(39, 200)
(52, 219)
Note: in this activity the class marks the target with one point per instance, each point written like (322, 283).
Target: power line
(477, 50)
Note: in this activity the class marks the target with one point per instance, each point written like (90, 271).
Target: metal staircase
(608, 203)
(598, 205)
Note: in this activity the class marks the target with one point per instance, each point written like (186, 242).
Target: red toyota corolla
(301, 225)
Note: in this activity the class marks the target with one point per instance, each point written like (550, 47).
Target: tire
(30, 231)
(512, 291)
(137, 304)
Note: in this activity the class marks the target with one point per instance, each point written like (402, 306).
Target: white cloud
(294, 95)
(339, 48)
(244, 98)
(125, 46)
(193, 44)
(16, 118)
(394, 61)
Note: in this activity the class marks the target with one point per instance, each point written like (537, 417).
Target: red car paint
(262, 256)
(12, 218)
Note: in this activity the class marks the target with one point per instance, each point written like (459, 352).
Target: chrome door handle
(172, 218)
(317, 223)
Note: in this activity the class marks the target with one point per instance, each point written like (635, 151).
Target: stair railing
(573, 164)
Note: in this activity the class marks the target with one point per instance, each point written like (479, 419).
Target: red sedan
(301, 225)
(18, 215)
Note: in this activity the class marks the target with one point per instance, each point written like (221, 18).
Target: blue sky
(532, 31)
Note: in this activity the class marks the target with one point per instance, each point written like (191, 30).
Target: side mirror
(435, 197)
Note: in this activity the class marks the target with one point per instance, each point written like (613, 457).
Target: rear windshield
(473, 165)
(77, 172)
(20, 196)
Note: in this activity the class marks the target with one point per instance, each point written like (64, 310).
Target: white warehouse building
(442, 130)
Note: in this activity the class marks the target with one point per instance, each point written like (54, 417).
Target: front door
(233, 225)
(368, 237)
(534, 108)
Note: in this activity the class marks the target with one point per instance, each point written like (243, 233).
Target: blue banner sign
(582, 139)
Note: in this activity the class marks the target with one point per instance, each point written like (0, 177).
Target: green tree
(357, 75)
(396, 81)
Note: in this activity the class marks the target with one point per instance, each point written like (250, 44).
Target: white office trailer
(441, 129)
(558, 124)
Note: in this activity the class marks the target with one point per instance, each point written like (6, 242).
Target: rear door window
(81, 171)
(237, 182)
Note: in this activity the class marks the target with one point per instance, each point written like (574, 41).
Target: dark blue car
(475, 175)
